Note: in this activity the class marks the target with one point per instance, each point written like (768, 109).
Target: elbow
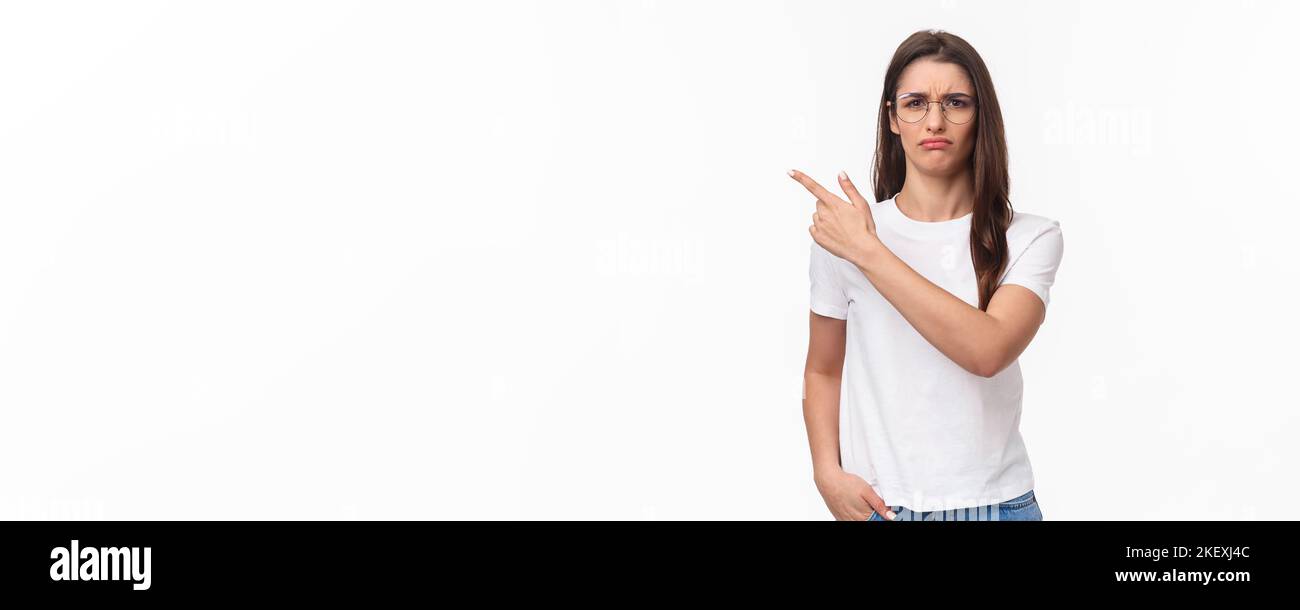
(989, 366)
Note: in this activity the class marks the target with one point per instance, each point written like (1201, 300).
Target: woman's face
(934, 80)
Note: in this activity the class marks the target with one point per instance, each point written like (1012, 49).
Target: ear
(893, 123)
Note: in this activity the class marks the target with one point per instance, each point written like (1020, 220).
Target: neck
(937, 199)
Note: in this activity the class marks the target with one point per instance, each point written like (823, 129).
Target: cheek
(967, 138)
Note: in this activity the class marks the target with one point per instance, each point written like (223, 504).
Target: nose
(934, 119)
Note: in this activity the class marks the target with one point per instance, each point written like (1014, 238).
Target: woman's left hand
(845, 228)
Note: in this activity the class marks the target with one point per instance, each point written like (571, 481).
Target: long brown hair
(992, 213)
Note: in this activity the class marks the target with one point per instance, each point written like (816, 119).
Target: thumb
(878, 505)
(855, 197)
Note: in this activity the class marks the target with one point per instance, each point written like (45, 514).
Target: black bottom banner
(571, 560)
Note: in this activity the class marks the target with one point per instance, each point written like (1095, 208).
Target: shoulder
(1027, 228)
(829, 263)
(1034, 244)
(822, 254)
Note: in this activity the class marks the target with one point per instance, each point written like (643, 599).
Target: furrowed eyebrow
(919, 94)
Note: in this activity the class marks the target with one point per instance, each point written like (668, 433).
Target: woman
(921, 305)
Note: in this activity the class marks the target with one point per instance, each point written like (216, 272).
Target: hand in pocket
(850, 498)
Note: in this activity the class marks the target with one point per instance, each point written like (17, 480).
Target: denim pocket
(1023, 508)
(1020, 501)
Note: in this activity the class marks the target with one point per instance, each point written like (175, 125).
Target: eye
(957, 103)
(911, 103)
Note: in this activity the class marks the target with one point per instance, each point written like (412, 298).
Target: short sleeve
(1035, 267)
(828, 298)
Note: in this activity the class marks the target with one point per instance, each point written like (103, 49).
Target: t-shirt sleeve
(828, 298)
(1036, 266)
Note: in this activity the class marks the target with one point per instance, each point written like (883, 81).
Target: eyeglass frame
(942, 110)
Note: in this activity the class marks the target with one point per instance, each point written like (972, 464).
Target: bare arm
(847, 495)
(981, 342)
(821, 379)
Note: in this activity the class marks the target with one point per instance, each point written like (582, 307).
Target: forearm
(962, 332)
(821, 413)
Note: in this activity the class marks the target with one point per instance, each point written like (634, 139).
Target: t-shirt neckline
(921, 229)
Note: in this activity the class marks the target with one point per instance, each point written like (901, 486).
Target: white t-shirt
(922, 431)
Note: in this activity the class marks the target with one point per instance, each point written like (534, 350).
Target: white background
(517, 260)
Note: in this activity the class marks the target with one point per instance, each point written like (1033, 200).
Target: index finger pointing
(814, 188)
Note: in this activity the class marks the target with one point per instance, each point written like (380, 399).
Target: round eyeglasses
(957, 108)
